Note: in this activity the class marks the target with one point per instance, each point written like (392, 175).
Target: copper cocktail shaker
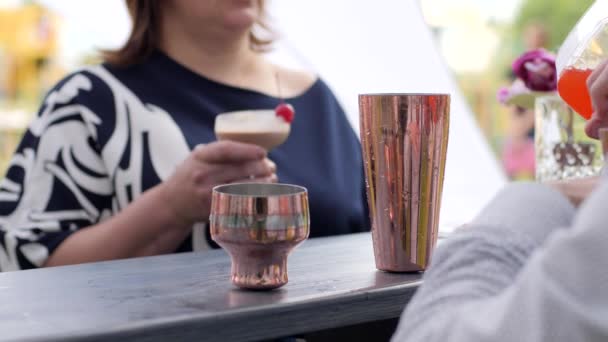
(404, 139)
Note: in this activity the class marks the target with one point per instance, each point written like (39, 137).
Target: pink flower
(516, 94)
(537, 69)
(503, 95)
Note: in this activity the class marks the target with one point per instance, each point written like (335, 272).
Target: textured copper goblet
(259, 224)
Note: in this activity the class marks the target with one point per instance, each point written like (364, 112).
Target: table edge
(157, 329)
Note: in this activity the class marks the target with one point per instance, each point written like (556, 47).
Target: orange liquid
(572, 87)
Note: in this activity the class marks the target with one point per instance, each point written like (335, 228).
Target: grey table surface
(332, 283)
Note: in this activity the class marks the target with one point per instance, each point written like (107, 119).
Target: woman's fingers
(226, 152)
(593, 125)
(576, 190)
(228, 173)
(270, 179)
(597, 83)
(596, 73)
(271, 165)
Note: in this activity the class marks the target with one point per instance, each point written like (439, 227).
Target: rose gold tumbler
(259, 224)
(404, 139)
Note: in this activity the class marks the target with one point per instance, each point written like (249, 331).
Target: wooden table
(332, 283)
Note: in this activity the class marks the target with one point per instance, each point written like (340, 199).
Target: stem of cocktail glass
(276, 76)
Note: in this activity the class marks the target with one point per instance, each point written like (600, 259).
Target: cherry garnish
(286, 111)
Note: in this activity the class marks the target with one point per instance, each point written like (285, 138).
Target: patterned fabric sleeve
(57, 181)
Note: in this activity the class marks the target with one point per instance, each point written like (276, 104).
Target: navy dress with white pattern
(105, 135)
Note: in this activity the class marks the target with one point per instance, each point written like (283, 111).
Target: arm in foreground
(517, 275)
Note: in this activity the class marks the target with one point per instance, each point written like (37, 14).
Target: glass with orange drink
(583, 50)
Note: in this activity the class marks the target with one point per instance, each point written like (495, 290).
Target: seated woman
(121, 159)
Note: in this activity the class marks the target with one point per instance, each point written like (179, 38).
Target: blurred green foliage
(558, 16)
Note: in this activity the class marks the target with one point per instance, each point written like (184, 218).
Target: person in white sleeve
(533, 266)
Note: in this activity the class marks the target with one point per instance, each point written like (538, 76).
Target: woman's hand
(597, 83)
(188, 191)
(576, 190)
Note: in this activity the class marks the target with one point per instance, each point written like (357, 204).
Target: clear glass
(583, 50)
(563, 150)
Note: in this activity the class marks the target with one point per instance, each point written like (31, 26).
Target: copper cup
(259, 224)
(404, 139)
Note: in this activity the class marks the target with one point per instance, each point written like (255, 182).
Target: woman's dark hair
(145, 35)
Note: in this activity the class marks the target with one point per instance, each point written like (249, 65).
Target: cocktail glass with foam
(260, 127)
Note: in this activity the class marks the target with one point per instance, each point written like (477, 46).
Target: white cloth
(529, 268)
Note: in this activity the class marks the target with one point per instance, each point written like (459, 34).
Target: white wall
(361, 46)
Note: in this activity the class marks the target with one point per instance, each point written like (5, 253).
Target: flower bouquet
(536, 76)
